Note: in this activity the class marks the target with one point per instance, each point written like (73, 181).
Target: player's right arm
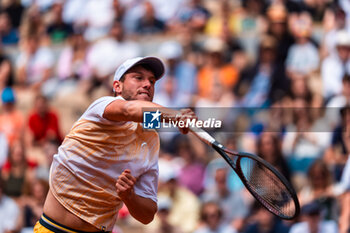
(132, 110)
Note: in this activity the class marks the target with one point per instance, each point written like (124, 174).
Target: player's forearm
(120, 110)
(142, 209)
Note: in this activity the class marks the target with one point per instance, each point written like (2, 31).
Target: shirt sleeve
(97, 108)
(147, 184)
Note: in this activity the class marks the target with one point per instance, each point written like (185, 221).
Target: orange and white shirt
(91, 158)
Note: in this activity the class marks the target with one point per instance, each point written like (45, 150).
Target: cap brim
(154, 63)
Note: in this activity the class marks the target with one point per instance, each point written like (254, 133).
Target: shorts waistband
(56, 227)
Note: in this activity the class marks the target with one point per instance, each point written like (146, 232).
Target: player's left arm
(141, 208)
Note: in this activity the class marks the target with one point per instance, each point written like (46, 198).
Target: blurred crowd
(286, 63)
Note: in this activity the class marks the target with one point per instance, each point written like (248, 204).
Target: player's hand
(125, 185)
(184, 115)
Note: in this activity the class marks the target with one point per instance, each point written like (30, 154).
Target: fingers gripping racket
(262, 180)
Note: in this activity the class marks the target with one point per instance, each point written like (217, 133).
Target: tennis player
(108, 159)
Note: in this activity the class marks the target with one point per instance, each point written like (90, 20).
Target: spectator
(234, 204)
(320, 188)
(211, 217)
(6, 71)
(179, 83)
(265, 81)
(250, 24)
(195, 15)
(34, 66)
(119, 10)
(342, 98)
(334, 22)
(106, 54)
(161, 224)
(11, 119)
(96, 15)
(303, 54)
(57, 29)
(337, 153)
(262, 221)
(336, 65)
(73, 69)
(344, 218)
(191, 174)
(17, 170)
(269, 148)
(306, 138)
(221, 18)
(149, 23)
(215, 70)
(277, 15)
(9, 35)
(33, 25)
(43, 124)
(15, 11)
(184, 212)
(32, 202)
(311, 221)
(9, 212)
(49, 149)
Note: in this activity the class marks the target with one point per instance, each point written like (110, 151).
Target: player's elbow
(149, 217)
(147, 220)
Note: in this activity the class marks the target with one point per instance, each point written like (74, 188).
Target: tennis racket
(263, 181)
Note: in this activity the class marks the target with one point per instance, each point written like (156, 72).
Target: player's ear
(117, 87)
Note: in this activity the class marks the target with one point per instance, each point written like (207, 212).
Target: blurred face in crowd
(221, 179)
(117, 31)
(32, 45)
(40, 189)
(267, 54)
(343, 52)
(299, 86)
(267, 147)
(278, 28)
(211, 215)
(41, 105)
(5, 24)
(149, 11)
(346, 88)
(319, 175)
(17, 153)
(265, 219)
(137, 84)
(215, 58)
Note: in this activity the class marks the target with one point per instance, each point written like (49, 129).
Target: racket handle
(202, 135)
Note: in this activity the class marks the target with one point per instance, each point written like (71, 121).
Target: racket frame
(222, 150)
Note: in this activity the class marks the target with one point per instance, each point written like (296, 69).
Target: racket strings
(269, 189)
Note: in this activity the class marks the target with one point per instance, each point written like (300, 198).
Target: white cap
(154, 63)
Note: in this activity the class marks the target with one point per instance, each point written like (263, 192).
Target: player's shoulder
(95, 111)
(106, 98)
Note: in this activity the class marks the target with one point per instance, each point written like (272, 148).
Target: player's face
(138, 84)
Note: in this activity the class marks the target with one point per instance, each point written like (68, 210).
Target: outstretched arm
(132, 110)
(142, 209)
